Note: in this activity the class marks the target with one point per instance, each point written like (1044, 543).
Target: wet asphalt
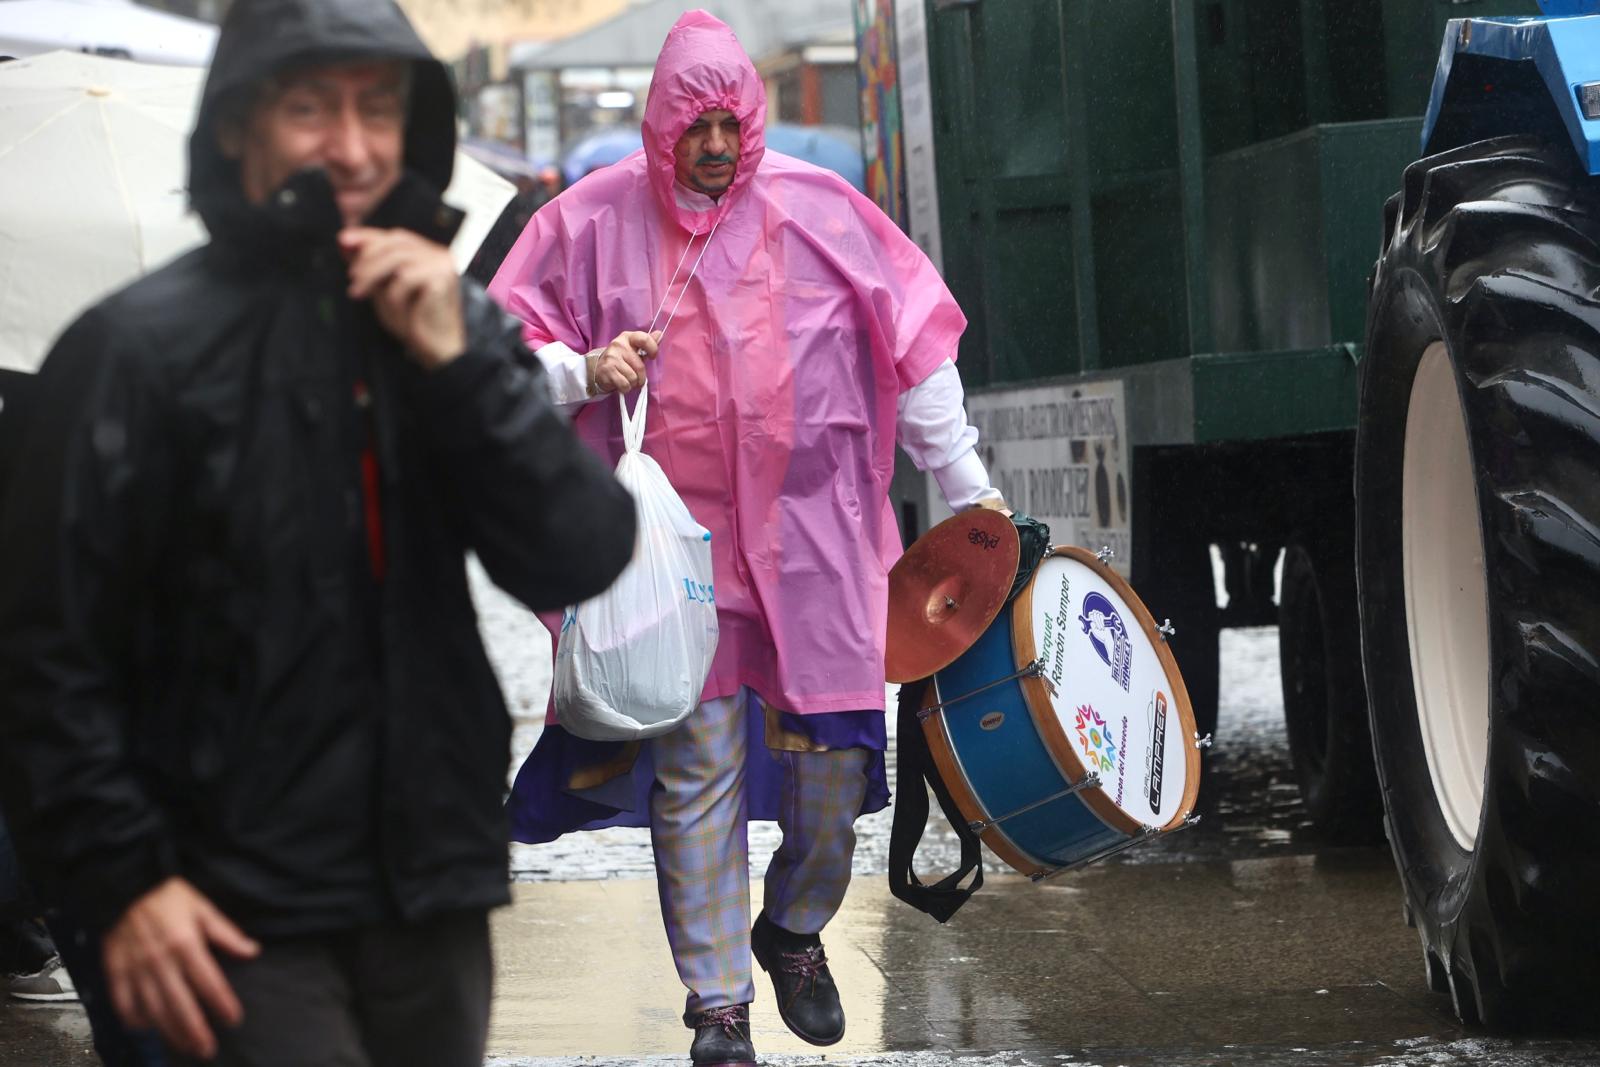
(1243, 941)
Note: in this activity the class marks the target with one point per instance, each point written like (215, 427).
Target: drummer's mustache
(710, 161)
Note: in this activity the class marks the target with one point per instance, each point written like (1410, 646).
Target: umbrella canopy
(92, 169)
(839, 152)
(814, 144)
(600, 149)
(104, 27)
(502, 159)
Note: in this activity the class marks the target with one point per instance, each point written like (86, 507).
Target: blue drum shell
(1008, 765)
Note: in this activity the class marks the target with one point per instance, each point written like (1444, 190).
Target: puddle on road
(1412, 1052)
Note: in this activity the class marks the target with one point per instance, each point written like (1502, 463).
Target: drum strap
(914, 774)
(1033, 537)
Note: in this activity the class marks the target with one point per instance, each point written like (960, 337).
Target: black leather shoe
(808, 1000)
(722, 1037)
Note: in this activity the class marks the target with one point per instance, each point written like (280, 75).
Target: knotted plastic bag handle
(633, 425)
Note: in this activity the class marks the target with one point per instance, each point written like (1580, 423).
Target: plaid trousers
(698, 831)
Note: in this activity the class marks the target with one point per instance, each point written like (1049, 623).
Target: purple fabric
(841, 729)
(542, 808)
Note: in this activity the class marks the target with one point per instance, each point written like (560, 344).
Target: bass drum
(1065, 734)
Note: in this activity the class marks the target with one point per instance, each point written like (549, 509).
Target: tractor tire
(1324, 701)
(1478, 563)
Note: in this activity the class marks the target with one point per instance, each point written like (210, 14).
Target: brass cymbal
(946, 590)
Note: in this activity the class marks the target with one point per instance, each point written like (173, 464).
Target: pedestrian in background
(248, 731)
(531, 195)
(60, 964)
(29, 962)
(800, 334)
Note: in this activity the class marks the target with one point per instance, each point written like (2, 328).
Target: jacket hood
(702, 67)
(260, 38)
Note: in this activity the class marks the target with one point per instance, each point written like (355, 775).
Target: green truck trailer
(1166, 221)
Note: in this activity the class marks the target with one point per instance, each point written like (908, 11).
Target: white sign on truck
(1060, 454)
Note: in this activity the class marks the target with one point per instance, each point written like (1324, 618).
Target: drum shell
(1007, 762)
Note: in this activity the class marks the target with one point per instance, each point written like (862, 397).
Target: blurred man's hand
(161, 970)
(414, 289)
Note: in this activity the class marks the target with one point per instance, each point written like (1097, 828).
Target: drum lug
(1105, 554)
(1202, 742)
(1166, 629)
(1090, 781)
(1036, 669)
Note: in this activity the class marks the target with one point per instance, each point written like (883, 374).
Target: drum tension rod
(1202, 742)
(978, 826)
(1105, 554)
(1144, 833)
(1166, 629)
(1032, 670)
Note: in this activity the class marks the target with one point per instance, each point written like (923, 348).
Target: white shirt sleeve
(569, 376)
(931, 425)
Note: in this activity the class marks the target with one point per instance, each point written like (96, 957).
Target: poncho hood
(702, 67)
(260, 38)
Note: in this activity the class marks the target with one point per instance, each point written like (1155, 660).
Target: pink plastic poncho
(772, 400)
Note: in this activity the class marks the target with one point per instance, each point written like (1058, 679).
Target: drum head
(1119, 706)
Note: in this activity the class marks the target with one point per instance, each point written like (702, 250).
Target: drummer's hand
(620, 365)
(993, 503)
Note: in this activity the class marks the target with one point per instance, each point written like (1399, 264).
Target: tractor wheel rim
(1447, 606)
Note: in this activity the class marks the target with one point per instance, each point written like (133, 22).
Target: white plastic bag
(631, 663)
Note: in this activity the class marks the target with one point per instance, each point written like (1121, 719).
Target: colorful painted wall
(882, 141)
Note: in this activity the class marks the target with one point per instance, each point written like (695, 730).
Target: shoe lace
(731, 1018)
(809, 962)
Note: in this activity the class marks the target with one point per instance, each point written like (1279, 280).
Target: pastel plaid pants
(698, 831)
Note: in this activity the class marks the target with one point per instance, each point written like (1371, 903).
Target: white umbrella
(105, 27)
(93, 156)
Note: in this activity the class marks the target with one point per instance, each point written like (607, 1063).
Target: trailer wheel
(1324, 702)
(1478, 548)
(1188, 597)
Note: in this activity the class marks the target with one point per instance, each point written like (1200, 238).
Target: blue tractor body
(1509, 75)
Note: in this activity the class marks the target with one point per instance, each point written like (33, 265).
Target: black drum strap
(914, 774)
(1033, 539)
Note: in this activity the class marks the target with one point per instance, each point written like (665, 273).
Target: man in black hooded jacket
(248, 731)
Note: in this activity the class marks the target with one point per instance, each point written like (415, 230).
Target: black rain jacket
(201, 672)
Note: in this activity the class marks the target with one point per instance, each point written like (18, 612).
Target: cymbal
(946, 590)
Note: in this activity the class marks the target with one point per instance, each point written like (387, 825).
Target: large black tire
(1483, 329)
(1324, 702)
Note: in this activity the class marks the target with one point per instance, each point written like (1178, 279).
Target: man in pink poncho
(790, 334)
